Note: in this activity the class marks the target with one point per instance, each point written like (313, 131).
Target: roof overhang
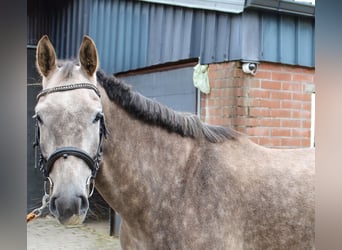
(231, 6)
(290, 7)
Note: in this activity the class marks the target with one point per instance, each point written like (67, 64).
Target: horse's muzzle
(69, 210)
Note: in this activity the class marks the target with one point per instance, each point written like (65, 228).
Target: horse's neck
(141, 162)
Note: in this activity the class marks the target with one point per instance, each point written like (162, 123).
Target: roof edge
(233, 6)
(282, 6)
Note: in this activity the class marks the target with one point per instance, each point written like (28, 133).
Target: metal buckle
(90, 185)
(50, 182)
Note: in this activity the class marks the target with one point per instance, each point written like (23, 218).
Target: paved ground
(46, 234)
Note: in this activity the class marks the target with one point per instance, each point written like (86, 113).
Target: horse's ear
(88, 56)
(45, 56)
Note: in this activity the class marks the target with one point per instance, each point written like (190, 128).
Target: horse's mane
(152, 112)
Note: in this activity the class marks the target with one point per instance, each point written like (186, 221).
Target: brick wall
(273, 107)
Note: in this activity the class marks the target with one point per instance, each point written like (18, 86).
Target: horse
(176, 182)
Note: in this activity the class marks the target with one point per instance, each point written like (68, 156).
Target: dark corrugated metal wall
(133, 34)
(65, 22)
(288, 39)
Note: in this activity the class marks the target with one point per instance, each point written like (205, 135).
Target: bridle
(46, 164)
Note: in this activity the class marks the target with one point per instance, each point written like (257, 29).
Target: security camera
(249, 68)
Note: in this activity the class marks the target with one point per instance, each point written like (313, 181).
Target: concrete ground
(46, 234)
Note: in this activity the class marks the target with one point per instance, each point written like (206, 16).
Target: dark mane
(152, 112)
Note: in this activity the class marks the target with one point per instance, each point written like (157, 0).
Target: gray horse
(176, 182)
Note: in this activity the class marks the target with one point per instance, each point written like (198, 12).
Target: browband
(69, 87)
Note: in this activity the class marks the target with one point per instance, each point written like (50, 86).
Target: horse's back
(235, 195)
(270, 194)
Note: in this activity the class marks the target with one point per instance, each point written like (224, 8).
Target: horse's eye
(98, 117)
(38, 118)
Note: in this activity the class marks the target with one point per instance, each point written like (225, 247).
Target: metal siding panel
(235, 38)
(119, 29)
(167, 50)
(305, 42)
(196, 34)
(154, 39)
(131, 34)
(287, 40)
(223, 43)
(209, 33)
(68, 25)
(179, 38)
(173, 88)
(250, 40)
(137, 14)
(270, 38)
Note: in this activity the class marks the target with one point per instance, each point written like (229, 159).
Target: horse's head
(69, 122)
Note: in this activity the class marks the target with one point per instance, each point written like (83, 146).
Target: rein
(46, 164)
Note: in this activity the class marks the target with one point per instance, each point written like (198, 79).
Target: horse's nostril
(53, 208)
(84, 204)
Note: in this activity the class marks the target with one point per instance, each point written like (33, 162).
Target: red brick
(210, 102)
(239, 73)
(254, 83)
(218, 66)
(291, 104)
(301, 114)
(240, 121)
(226, 92)
(280, 132)
(241, 111)
(267, 103)
(215, 111)
(280, 113)
(300, 132)
(302, 78)
(291, 123)
(241, 129)
(269, 122)
(252, 122)
(292, 86)
(240, 92)
(221, 83)
(259, 112)
(255, 139)
(213, 74)
(269, 66)
(241, 101)
(288, 68)
(228, 111)
(254, 102)
(226, 101)
(270, 85)
(216, 121)
(306, 124)
(259, 131)
(261, 74)
(297, 69)
(280, 95)
(291, 142)
(237, 82)
(301, 97)
(306, 142)
(259, 93)
(203, 96)
(307, 106)
(279, 76)
(270, 141)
